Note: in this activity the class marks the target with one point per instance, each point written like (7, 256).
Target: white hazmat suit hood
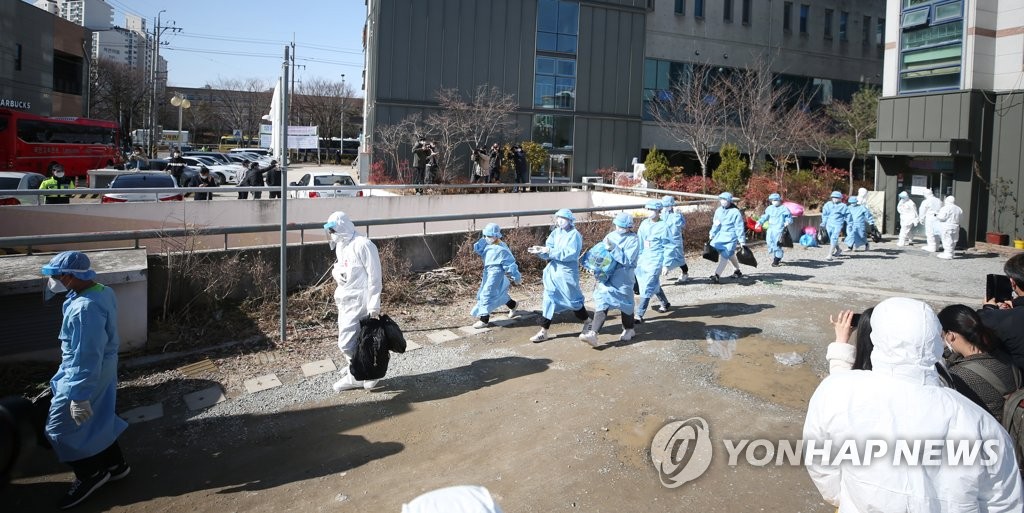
(908, 340)
(340, 229)
(456, 499)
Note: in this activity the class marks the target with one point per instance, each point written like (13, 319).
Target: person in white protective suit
(358, 275)
(454, 499)
(930, 207)
(908, 219)
(902, 400)
(949, 229)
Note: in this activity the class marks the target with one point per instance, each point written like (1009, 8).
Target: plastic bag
(710, 253)
(599, 261)
(823, 237)
(377, 337)
(746, 257)
(876, 236)
(789, 359)
(395, 338)
(795, 209)
(787, 240)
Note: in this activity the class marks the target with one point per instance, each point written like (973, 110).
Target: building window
(698, 8)
(787, 17)
(681, 7)
(555, 83)
(805, 12)
(557, 26)
(17, 57)
(553, 132)
(659, 77)
(880, 32)
(931, 45)
(746, 12)
(865, 31)
(727, 10)
(844, 22)
(67, 73)
(828, 23)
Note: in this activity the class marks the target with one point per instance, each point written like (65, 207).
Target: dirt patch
(752, 368)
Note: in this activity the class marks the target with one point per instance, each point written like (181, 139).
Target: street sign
(236, 133)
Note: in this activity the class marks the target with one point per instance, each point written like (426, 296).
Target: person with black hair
(976, 357)
(1006, 319)
(203, 179)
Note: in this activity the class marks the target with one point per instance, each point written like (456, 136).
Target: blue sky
(234, 39)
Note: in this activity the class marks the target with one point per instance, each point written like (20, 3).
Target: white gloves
(80, 411)
(609, 245)
(375, 314)
(537, 250)
(664, 271)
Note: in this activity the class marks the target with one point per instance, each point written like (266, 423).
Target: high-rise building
(91, 14)
(583, 71)
(951, 119)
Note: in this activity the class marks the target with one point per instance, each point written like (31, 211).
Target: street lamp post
(181, 103)
(341, 134)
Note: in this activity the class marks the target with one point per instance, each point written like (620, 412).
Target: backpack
(376, 338)
(1013, 407)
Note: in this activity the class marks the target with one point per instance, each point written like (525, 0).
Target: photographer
(481, 165)
(430, 174)
(420, 153)
(1006, 318)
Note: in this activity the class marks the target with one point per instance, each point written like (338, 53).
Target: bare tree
(446, 129)
(820, 136)
(692, 112)
(120, 92)
(243, 103)
(754, 101)
(856, 123)
(484, 116)
(391, 139)
(795, 124)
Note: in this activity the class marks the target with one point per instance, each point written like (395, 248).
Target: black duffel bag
(746, 257)
(876, 236)
(377, 337)
(786, 240)
(710, 253)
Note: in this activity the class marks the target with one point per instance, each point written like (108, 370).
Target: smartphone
(998, 287)
(855, 320)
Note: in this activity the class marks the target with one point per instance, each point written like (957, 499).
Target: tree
(656, 168)
(692, 112)
(536, 155)
(483, 117)
(243, 103)
(754, 102)
(119, 92)
(820, 136)
(731, 174)
(856, 123)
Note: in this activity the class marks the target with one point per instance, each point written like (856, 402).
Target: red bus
(36, 143)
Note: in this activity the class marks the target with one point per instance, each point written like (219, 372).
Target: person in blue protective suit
(617, 291)
(562, 274)
(778, 218)
(674, 257)
(494, 284)
(728, 230)
(858, 219)
(653, 234)
(82, 426)
(833, 215)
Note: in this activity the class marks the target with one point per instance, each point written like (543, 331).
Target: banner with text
(299, 137)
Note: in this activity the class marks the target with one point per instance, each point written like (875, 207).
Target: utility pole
(292, 88)
(158, 30)
(341, 135)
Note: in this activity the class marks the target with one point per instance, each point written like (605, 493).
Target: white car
(223, 173)
(19, 180)
(142, 180)
(325, 179)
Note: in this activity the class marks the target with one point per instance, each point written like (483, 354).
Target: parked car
(219, 157)
(223, 173)
(325, 179)
(263, 152)
(142, 180)
(19, 180)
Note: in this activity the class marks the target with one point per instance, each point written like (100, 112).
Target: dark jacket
(199, 181)
(175, 168)
(1009, 328)
(495, 156)
(419, 155)
(274, 176)
(254, 178)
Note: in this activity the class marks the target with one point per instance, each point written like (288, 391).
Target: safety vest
(55, 183)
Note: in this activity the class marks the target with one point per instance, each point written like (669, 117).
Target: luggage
(823, 238)
(376, 338)
(710, 253)
(746, 257)
(786, 240)
(599, 261)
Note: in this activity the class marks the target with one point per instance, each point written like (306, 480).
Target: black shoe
(737, 274)
(119, 472)
(715, 280)
(81, 490)
(776, 261)
(663, 308)
(638, 320)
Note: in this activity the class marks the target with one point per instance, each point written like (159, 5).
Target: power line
(259, 55)
(246, 40)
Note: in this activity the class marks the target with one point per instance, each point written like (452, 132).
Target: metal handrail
(153, 233)
(265, 188)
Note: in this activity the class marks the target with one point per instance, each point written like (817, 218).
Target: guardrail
(32, 241)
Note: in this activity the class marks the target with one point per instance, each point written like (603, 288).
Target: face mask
(651, 214)
(562, 223)
(621, 231)
(835, 200)
(776, 202)
(492, 240)
(53, 287)
(58, 174)
(723, 203)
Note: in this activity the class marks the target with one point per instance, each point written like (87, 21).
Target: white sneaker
(900, 244)
(627, 335)
(370, 384)
(347, 383)
(479, 325)
(945, 256)
(683, 278)
(541, 336)
(590, 337)
(930, 249)
(512, 314)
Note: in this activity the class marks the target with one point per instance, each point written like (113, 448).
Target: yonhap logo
(681, 451)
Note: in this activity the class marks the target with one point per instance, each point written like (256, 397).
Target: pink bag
(794, 208)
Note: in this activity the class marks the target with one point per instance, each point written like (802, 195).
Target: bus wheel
(220, 178)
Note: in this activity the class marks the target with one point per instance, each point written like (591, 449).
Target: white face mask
(776, 202)
(621, 230)
(835, 200)
(723, 203)
(55, 286)
(562, 222)
(58, 174)
(651, 214)
(491, 240)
